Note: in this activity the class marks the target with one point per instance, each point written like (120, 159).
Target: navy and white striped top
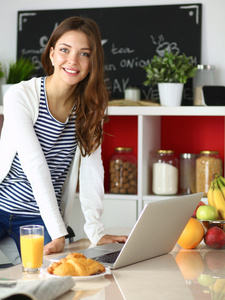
(58, 143)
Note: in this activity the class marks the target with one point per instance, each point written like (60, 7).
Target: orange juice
(32, 246)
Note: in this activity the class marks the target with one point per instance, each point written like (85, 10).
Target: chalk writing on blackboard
(23, 19)
(131, 36)
(162, 46)
(191, 12)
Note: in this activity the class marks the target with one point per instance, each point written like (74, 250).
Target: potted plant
(21, 69)
(1, 72)
(1, 76)
(170, 72)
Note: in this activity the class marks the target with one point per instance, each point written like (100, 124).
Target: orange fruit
(192, 234)
(190, 263)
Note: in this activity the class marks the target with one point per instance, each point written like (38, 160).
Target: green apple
(206, 280)
(206, 212)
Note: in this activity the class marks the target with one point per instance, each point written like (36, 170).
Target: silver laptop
(155, 233)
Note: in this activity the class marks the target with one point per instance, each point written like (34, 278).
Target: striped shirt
(58, 144)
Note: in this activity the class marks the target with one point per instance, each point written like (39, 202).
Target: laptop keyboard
(108, 258)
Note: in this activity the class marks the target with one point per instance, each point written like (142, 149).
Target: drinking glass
(32, 248)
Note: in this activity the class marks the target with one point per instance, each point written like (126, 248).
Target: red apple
(215, 260)
(200, 203)
(215, 238)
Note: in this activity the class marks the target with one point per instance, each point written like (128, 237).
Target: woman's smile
(71, 71)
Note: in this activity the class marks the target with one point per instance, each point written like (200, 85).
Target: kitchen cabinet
(149, 132)
(121, 212)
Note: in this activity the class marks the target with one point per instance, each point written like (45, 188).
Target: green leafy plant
(1, 72)
(171, 67)
(20, 70)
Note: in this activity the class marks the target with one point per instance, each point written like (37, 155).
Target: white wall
(213, 40)
(213, 25)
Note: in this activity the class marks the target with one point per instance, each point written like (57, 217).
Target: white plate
(82, 278)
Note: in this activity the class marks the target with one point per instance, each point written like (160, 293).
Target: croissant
(76, 264)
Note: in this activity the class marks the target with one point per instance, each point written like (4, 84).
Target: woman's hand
(106, 239)
(55, 246)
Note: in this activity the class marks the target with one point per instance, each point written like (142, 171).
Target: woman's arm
(19, 117)
(108, 238)
(91, 191)
(91, 197)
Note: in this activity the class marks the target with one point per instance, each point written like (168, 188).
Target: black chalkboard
(130, 37)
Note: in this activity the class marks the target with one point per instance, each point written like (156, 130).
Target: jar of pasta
(207, 165)
(123, 171)
(165, 173)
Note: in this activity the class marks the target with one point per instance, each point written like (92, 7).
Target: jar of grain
(207, 165)
(165, 173)
(123, 171)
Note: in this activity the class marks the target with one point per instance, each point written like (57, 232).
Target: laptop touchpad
(101, 250)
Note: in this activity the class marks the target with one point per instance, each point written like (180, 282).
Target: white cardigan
(21, 105)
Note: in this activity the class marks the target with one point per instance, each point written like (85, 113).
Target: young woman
(52, 131)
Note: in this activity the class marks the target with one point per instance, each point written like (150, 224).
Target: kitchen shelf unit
(123, 210)
(149, 140)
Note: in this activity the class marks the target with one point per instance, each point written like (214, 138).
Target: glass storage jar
(205, 75)
(132, 93)
(187, 173)
(165, 173)
(207, 165)
(123, 171)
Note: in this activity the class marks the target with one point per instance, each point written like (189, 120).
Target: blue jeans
(10, 226)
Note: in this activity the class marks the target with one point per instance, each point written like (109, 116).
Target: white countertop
(176, 275)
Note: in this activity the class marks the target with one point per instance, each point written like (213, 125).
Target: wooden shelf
(163, 111)
(148, 136)
(166, 111)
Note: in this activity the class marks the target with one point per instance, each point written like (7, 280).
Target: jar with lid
(123, 171)
(207, 165)
(132, 93)
(187, 173)
(205, 75)
(165, 173)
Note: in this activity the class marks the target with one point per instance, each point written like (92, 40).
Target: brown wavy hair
(91, 96)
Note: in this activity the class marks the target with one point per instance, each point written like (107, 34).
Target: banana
(210, 194)
(218, 200)
(219, 289)
(222, 179)
(221, 185)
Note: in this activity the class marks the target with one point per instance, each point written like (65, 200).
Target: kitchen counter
(181, 274)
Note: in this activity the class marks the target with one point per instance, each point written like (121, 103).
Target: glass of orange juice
(32, 247)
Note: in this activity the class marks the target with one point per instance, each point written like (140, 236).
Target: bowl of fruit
(212, 216)
(217, 223)
(207, 223)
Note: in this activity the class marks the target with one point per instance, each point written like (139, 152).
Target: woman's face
(71, 57)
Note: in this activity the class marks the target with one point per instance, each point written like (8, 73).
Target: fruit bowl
(218, 223)
(205, 224)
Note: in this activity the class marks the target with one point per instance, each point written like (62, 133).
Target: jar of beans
(207, 165)
(123, 171)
